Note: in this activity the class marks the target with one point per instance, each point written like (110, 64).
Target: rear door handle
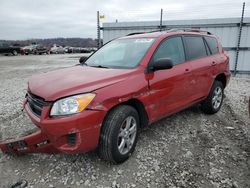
(213, 63)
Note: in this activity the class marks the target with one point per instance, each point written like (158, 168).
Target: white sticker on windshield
(143, 40)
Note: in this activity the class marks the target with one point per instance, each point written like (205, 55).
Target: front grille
(35, 103)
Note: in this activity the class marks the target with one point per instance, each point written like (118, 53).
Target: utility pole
(98, 30)
(239, 37)
(161, 20)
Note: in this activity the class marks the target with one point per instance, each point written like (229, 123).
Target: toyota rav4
(127, 84)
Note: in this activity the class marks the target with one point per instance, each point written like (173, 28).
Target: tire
(115, 132)
(213, 102)
(14, 53)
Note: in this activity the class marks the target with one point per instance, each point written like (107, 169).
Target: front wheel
(213, 102)
(119, 134)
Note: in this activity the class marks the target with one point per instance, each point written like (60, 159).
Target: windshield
(121, 53)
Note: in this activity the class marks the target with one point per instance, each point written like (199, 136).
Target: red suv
(127, 84)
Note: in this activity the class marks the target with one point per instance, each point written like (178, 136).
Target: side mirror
(161, 64)
(83, 59)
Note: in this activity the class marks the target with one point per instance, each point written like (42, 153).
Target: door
(198, 56)
(170, 89)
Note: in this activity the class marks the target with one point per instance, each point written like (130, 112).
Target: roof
(156, 34)
(144, 35)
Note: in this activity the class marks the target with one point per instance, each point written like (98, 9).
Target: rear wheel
(214, 100)
(119, 134)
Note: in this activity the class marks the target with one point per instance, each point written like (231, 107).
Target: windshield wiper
(99, 66)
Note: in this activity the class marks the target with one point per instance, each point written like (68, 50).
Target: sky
(29, 19)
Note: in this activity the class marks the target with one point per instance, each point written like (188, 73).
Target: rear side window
(212, 44)
(171, 48)
(195, 47)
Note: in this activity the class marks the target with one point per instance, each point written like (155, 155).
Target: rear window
(195, 47)
(212, 44)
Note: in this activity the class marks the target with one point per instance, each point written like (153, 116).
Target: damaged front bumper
(34, 143)
(71, 134)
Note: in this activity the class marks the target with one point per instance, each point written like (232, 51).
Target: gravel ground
(188, 149)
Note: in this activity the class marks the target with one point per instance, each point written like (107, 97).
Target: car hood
(74, 80)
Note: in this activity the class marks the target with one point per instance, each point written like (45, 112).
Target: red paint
(162, 93)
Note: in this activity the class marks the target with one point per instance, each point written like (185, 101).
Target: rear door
(170, 89)
(198, 56)
(216, 57)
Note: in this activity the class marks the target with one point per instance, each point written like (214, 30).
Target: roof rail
(188, 30)
(173, 30)
(198, 31)
(136, 33)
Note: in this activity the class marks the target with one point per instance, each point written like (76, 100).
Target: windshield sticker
(143, 40)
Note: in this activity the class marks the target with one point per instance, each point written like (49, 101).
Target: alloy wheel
(127, 135)
(217, 97)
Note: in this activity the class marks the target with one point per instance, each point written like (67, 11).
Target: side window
(195, 47)
(207, 48)
(171, 48)
(212, 44)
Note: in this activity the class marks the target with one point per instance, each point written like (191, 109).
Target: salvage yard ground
(188, 149)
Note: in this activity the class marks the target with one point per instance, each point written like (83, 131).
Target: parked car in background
(93, 49)
(56, 49)
(29, 49)
(66, 49)
(86, 50)
(80, 50)
(9, 49)
(40, 49)
(73, 50)
(153, 75)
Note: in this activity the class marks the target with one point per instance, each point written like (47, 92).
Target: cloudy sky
(26, 19)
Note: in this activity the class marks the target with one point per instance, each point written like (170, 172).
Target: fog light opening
(71, 139)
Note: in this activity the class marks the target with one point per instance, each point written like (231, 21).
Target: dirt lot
(188, 149)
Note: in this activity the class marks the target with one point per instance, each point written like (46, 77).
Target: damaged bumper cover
(34, 143)
(71, 134)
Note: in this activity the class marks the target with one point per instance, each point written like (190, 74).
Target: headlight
(71, 105)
